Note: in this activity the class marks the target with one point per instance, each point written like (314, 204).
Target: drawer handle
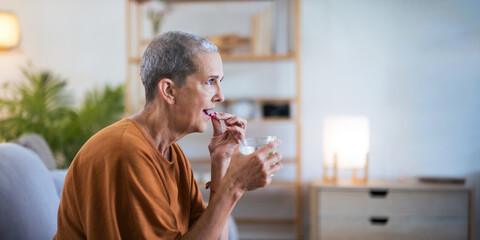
(378, 193)
(379, 221)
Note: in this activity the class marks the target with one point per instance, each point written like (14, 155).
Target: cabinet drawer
(393, 203)
(394, 228)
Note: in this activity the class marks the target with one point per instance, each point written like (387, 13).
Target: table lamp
(345, 147)
(9, 31)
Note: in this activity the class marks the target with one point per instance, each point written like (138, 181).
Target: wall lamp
(9, 31)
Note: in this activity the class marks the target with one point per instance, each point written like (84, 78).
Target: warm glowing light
(9, 31)
(348, 137)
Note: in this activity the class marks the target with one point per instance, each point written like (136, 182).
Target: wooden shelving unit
(136, 42)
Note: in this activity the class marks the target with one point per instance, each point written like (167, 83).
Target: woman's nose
(218, 97)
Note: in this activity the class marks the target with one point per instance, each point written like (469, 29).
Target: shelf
(250, 57)
(274, 183)
(194, 1)
(261, 109)
(135, 60)
(240, 220)
(207, 160)
(271, 120)
(283, 183)
(236, 56)
(259, 100)
(239, 57)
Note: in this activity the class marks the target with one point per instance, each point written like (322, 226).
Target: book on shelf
(291, 25)
(271, 31)
(281, 27)
(261, 32)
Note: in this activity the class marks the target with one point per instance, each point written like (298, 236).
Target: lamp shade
(9, 31)
(347, 138)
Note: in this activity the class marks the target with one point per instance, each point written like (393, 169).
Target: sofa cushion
(28, 197)
(58, 177)
(38, 145)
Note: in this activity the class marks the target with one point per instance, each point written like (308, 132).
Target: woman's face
(197, 97)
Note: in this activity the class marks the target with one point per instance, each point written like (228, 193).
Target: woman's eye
(210, 81)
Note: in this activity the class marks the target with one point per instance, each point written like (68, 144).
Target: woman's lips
(208, 112)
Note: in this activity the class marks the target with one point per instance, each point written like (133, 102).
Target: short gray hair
(171, 55)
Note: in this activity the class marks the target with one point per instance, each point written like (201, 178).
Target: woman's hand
(224, 142)
(255, 170)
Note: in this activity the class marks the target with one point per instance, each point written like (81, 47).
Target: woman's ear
(166, 89)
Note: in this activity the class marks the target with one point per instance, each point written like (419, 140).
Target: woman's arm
(244, 173)
(230, 180)
(218, 169)
(221, 148)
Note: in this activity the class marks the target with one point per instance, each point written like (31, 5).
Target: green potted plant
(41, 105)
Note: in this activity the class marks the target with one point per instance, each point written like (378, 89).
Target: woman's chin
(202, 128)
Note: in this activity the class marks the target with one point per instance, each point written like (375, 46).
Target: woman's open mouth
(209, 113)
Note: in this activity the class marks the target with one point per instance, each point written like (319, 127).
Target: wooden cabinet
(389, 210)
(264, 86)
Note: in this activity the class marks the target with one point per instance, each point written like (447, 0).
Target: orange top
(119, 186)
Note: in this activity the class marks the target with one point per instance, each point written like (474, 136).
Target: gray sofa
(29, 194)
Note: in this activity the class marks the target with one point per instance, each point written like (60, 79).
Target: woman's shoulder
(121, 132)
(113, 139)
(120, 142)
(111, 135)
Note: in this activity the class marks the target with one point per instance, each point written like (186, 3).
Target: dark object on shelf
(276, 110)
(443, 180)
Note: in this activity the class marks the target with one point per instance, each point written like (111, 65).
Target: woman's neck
(155, 124)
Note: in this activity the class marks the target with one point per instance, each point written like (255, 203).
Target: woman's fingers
(217, 127)
(258, 168)
(223, 116)
(269, 148)
(234, 125)
(237, 121)
(231, 119)
(237, 132)
(273, 160)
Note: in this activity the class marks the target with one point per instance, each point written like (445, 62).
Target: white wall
(82, 41)
(412, 67)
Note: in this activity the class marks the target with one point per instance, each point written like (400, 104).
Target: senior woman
(132, 181)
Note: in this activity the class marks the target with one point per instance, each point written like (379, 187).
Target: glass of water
(250, 145)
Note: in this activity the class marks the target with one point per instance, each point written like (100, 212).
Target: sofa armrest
(58, 177)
